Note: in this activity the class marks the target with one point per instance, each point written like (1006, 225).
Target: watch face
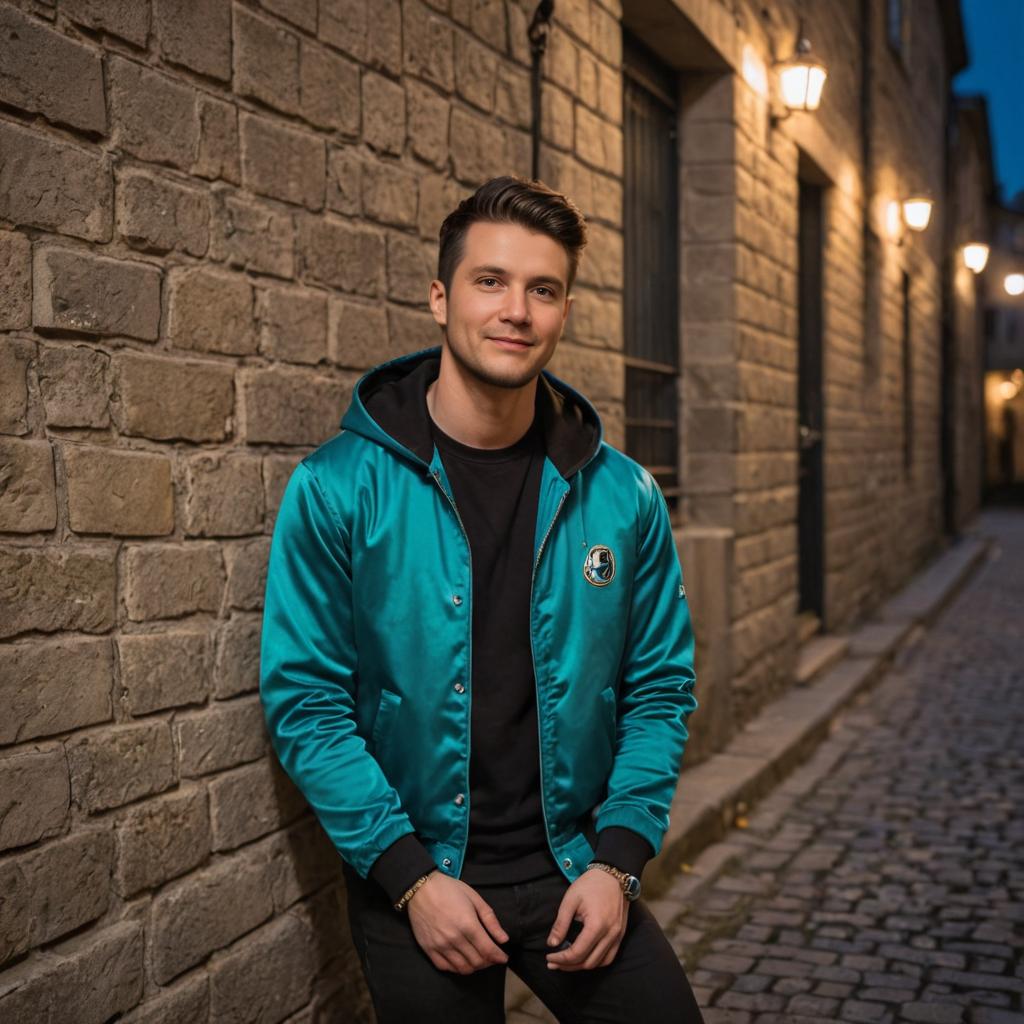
(632, 887)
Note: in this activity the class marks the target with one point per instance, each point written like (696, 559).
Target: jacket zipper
(536, 682)
(469, 714)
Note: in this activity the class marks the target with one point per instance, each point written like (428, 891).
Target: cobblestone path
(883, 881)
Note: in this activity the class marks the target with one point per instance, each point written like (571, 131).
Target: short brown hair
(512, 200)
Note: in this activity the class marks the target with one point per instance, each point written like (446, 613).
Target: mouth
(512, 344)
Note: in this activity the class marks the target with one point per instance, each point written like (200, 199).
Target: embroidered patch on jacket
(682, 590)
(599, 566)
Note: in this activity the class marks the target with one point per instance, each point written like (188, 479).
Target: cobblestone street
(883, 881)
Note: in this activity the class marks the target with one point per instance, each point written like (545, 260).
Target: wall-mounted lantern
(917, 211)
(801, 78)
(975, 256)
(1014, 284)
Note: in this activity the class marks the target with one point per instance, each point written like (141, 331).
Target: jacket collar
(389, 406)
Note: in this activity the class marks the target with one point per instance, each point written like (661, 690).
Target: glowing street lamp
(975, 256)
(802, 78)
(917, 211)
(1014, 284)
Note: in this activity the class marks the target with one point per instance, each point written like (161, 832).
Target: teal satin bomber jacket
(365, 656)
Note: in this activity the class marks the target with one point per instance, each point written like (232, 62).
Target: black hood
(389, 405)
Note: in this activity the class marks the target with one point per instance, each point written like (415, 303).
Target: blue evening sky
(995, 50)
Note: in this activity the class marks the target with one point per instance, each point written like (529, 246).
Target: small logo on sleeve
(599, 566)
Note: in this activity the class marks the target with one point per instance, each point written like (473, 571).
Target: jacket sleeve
(308, 679)
(657, 680)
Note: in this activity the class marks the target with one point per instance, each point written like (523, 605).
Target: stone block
(50, 590)
(218, 150)
(50, 184)
(172, 399)
(186, 1003)
(155, 116)
(165, 581)
(223, 495)
(158, 215)
(277, 469)
(15, 356)
(45, 72)
(428, 50)
(252, 235)
(15, 281)
(383, 105)
(237, 667)
(251, 801)
(210, 311)
(206, 911)
(161, 839)
(411, 265)
(74, 381)
(125, 493)
(78, 291)
(428, 123)
(114, 765)
(478, 147)
(266, 56)
(329, 89)
(390, 194)
(344, 180)
(226, 734)
(35, 795)
(357, 335)
(247, 572)
(290, 407)
(54, 686)
(342, 256)
(196, 36)
(123, 19)
(53, 889)
(164, 670)
(293, 324)
(282, 162)
(476, 72)
(28, 497)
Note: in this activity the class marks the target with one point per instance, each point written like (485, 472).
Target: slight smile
(512, 343)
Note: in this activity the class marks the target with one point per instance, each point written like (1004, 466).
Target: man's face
(510, 284)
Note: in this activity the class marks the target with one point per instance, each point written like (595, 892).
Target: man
(477, 657)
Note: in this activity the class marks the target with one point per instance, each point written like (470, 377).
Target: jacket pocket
(383, 724)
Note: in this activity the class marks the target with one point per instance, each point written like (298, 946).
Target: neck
(476, 413)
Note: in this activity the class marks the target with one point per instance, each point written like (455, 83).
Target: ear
(568, 307)
(438, 302)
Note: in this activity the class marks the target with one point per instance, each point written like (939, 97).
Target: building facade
(214, 217)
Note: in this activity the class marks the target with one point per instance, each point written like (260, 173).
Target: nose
(515, 309)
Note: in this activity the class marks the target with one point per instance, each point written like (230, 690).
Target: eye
(484, 279)
(544, 288)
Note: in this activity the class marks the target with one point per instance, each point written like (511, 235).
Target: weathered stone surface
(428, 123)
(383, 114)
(427, 43)
(342, 256)
(197, 36)
(15, 356)
(277, 469)
(253, 235)
(124, 493)
(155, 117)
(45, 72)
(86, 979)
(238, 657)
(390, 194)
(161, 839)
(50, 184)
(35, 794)
(266, 976)
(479, 149)
(357, 335)
(54, 686)
(120, 18)
(293, 324)
(226, 734)
(247, 573)
(169, 399)
(75, 384)
(49, 589)
(15, 281)
(283, 163)
(164, 581)
(251, 801)
(329, 86)
(224, 495)
(158, 215)
(94, 294)
(299, 861)
(266, 57)
(114, 765)
(344, 180)
(186, 1003)
(164, 670)
(410, 330)
(218, 152)
(210, 311)
(28, 497)
(476, 72)
(50, 891)
(290, 407)
(206, 912)
(411, 265)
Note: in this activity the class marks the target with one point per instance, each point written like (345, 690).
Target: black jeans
(644, 984)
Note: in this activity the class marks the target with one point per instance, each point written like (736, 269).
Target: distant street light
(1014, 284)
(917, 211)
(975, 256)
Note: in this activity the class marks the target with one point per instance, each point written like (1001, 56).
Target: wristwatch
(630, 883)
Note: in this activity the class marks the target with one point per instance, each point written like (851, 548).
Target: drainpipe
(869, 249)
(538, 35)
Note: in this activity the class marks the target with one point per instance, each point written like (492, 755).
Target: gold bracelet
(408, 894)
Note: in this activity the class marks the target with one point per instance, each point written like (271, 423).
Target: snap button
(456, 599)
(447, 862)
(459, 688)
(567, 862)
(460, 798)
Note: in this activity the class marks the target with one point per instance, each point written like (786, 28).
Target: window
(896, 23)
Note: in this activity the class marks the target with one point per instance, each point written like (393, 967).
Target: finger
(489, 918)
(479, 949)
(460, 964)
(581, 948)
(566, 910)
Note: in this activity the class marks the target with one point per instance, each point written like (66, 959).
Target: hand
(451, 922)
(597, 900)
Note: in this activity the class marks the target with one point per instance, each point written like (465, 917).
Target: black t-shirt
(496, 492)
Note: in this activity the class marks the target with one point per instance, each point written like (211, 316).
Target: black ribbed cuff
(405, 860)
(623, 849)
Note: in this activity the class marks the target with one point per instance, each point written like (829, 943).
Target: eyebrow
(492, 269)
